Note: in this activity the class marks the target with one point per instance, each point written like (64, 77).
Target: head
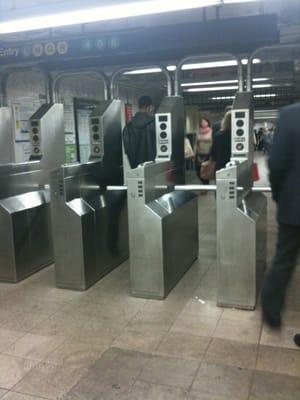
(205, 123)
(145, 104)
(226, 122)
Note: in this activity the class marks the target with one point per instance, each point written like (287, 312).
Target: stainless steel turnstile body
(25, 231)
(7, 152)
(90, 226)
(241, 239)
(25, 223)
(163, 231)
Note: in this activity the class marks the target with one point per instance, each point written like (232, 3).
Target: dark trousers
(199, 161)
(284, 263)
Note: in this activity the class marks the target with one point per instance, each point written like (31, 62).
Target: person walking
(284, 167)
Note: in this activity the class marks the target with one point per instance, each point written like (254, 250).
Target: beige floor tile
(170, 371)
(8, 337)
(149, 391)
(109, 385)
(34, 347)
(75, 354)
(200, 308)
(13, 369)
(20, 396)
(2, 393)
(103, 312)
(205, 396)
(268, 386)
(232, 353)
(279, 338)
(184, 346)
(230, 382)
(61, 325)
(49, 381)
(242, 315)
(121, 360)
(139, 340)
(23, 321)
(154, 319)
(199, 326)
(292, 319)
(17, 301)
(244, 331)
(279, 360)
(105, 330)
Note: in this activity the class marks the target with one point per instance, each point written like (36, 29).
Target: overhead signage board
(236, 35)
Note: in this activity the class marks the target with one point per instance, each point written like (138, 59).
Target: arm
(280, 158)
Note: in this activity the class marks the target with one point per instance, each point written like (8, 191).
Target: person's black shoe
(297, 339)
(272, 319)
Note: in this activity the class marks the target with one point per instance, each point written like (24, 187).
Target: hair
(145, 101)
(227, 108)
(226, 122)
(207, 120)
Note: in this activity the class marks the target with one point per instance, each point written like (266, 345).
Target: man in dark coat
(139, 134)
(285, 181)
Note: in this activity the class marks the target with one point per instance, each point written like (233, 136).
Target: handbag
(208, 170)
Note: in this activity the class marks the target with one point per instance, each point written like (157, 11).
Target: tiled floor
(104, 344)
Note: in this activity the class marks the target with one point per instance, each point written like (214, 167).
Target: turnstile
(90, 228)
(163, 225)
(241, 238)
(7, 153)
(163, 231)
(25, 227)
(241, 217)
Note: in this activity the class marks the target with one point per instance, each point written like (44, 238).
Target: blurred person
(221, 148)
(203, 145)
(139, 134)
(217, 125)
(284, 166)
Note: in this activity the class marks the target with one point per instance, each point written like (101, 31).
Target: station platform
(104, 344)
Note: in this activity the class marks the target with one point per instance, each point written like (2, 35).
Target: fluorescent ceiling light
(255, 61)
(212, 89)
(209, 83)
(223, 98)
(204, 65)
(227, 82)
(266, 95)
(143, 71)
(239, 1)
(261, 86)
(102, 13)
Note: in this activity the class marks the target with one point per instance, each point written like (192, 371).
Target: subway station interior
(142, 282)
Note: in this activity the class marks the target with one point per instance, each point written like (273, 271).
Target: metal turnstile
(7, 152)
(241, 238)
(25, 223)
(163, 226)
(241, 217)
(90, 228)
